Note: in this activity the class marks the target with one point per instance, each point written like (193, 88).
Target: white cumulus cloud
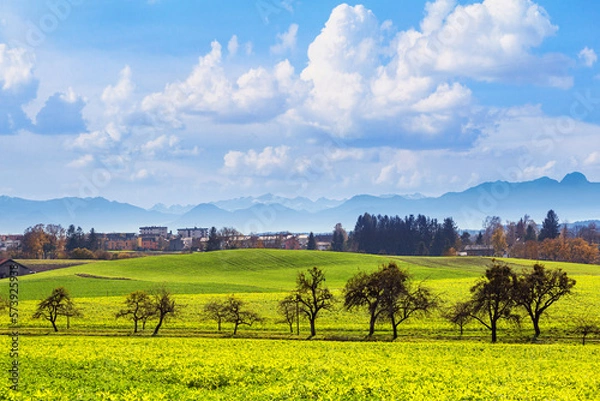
(233, 45)
(588, 57)
(266, 162)
(83, 161)
(115, 97)
(256, 95)
(286, 41)
(16, 67)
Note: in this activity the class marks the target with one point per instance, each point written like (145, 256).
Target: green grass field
(99, 359)
(263, 277)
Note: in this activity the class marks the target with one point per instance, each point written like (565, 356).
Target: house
(6, 265)
(291, 243)
(180, 244)
(10, 242)
(150, 244)
(479, 250)
(302, 240)
(323, 246)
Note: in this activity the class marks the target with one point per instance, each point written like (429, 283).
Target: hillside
(245, 271)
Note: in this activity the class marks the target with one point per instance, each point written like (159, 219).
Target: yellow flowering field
(132, 368)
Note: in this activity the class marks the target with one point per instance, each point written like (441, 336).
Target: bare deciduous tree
(138, 308)
(371, 291)
(493, 296)
(459, 314)
(215, 310)
(312, 295)
(163, 305)
(59, 303)
(410, 302)
(287, 308)
(538, 289)
(238, 314)
(586, 326)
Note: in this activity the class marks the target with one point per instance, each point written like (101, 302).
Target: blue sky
(183, 102)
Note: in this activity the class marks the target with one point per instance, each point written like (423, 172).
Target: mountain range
(574, 199)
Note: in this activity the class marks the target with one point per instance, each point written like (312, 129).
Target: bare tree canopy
(59, 303)
(138, 308)
(387, 294)
(237, 312)
(459, 314)
(540, 288)
(163, 305)
(493, 296)
(216, 310)
(312, 295)
(287, 308)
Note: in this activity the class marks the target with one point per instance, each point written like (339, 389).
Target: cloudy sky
(182, 102)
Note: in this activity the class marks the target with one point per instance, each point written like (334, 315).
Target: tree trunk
(461, 330)
(135, 326)
(583, 339)
(235, 327)
(160, 321)
(536, 327)
(394, 327)
(372, 325)
(54, 325)
(219, 324)
(494, 329)
(313, 331)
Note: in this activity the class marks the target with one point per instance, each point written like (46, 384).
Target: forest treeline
(425, 236)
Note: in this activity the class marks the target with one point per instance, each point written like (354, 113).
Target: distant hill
(573, 199)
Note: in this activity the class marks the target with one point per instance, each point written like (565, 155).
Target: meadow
(263, 277)
(98, 358)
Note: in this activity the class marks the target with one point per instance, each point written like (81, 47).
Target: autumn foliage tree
(499, 242)
(43, 241)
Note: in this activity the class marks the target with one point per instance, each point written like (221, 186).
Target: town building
(479, 250)
(155, 231)
(121, 242)
(193, 233)
(10, 242)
